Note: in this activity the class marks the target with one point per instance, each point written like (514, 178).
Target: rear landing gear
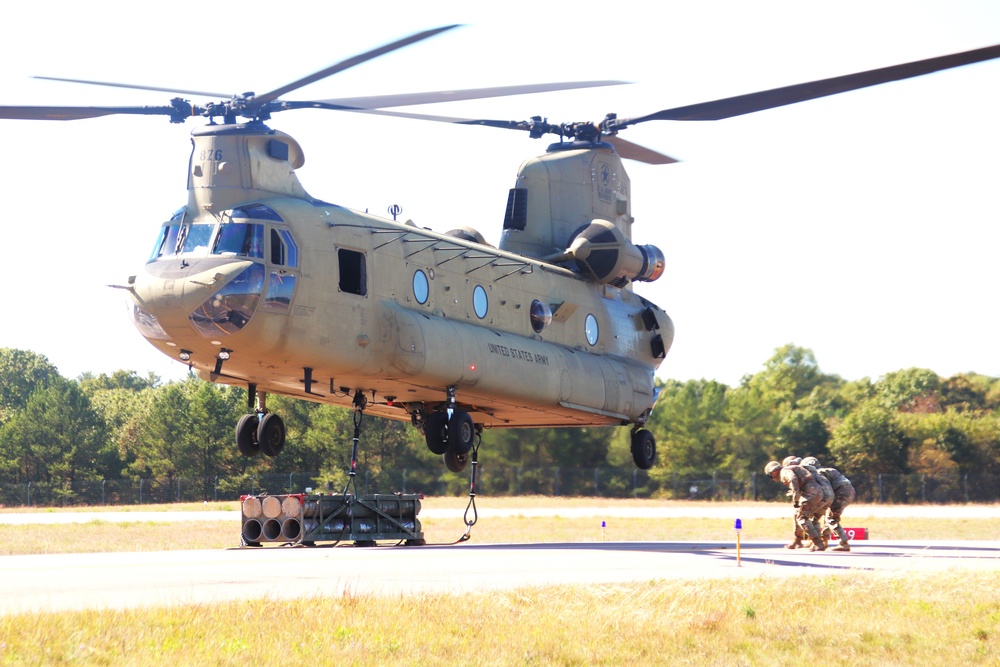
(643, 448)
(450, 437)
(455, 462)
(451, 433)
(461, 432)
(436, 432)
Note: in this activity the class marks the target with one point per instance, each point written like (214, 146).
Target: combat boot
(817, 540)
(795, 544)
(844, 546)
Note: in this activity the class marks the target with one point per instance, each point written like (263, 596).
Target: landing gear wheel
(461, 432)
(436, 432)
(643, 449)
(246, 435)
(455, 462)
(271, 434)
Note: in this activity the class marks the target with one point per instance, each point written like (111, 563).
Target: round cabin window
(541, 315)
(480, 301)
(421, 288)
(590, 329)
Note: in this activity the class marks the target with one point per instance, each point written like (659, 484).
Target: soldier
(807, 496)
(843, 495)
(811, 464)
(824, 484)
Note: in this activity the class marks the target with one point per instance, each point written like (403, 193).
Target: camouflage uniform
(808, 498)
(843, 495)
(828, 494)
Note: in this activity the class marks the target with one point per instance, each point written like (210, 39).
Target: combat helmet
(790, 461)
(810, 461)
(771, 467)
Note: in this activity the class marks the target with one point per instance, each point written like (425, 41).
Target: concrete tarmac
(124, 580)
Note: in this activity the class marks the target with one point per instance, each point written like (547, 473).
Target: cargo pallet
(298, 518)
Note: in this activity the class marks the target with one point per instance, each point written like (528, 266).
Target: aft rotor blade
(777, 97)
(134, 86)
(350, 62)
(78, 113)
(433, 97)
(631, 151)
(625, 149)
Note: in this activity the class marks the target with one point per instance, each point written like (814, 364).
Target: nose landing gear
(259, 431)
(246, 434)
(271, 434)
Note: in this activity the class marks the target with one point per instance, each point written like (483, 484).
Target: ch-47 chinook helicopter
(256, 283)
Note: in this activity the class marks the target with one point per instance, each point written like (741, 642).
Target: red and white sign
(856, 533)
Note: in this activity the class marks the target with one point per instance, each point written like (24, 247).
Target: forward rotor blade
(504, 124)
(631, 151)
(433, 97)
(135, 87)
(350, 62)
(777, 97)
(78, 113)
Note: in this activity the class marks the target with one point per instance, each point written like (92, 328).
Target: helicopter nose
(212, 297)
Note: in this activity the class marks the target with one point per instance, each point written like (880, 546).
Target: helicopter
(256, 283)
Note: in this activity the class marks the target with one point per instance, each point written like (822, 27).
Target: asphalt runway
(123, 580)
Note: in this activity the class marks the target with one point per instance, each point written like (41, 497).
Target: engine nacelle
(467, 234)
(601, 251)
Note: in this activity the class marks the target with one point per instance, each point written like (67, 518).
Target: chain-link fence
(497, 480)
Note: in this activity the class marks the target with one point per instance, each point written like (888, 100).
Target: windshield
(166, 242)
(246, 239)
(197, 238)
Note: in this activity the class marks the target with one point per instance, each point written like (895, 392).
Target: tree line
(58, 433)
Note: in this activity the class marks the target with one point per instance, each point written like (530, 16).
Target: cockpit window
(197, 238)
(284, 251)
(258, 211)
(240, 239)
(166, 242)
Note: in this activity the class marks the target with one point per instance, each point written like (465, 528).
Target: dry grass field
(862, 618)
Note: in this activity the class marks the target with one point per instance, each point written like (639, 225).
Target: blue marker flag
(738, 526)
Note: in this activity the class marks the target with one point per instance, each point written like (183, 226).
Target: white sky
(863, 226)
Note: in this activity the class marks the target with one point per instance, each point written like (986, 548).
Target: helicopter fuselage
(255, 283)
